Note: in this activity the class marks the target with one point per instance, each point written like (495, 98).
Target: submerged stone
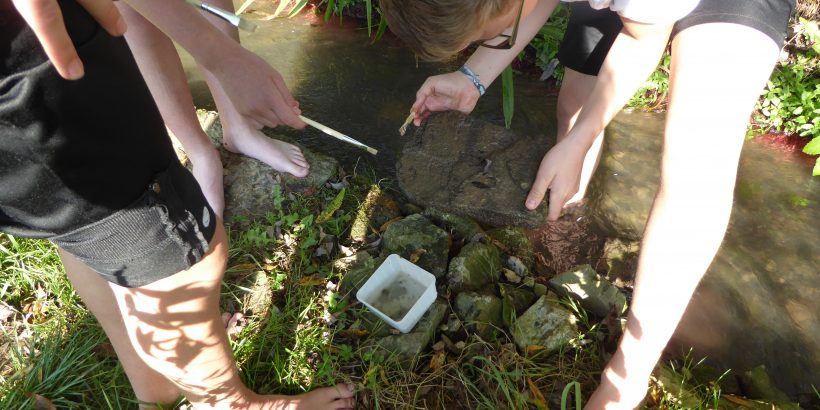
(545, 324)
(415, 237)
(462, 165)
(476, 266)
(596, 295)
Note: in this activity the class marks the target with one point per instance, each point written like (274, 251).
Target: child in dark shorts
(88, 165)
(723, 52)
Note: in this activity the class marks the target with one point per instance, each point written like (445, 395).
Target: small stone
(540, 289)
(460, 345)
(529, 281)
(511, 276)
(438, 346)
(517, 266)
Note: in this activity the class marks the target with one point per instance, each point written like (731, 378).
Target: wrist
(474, 78)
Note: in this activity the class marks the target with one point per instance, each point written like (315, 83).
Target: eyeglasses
(510, 39)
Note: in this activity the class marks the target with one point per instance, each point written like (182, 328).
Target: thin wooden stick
(337, 134)
(410, 118)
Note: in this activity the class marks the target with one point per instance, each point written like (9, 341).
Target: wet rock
(480, 312)
(357, 270)
(540, 289)
(620, 259)
(377, 209)
(596, 295)
(545, 324)
(462, 227)
(517, 266)
(515, 242)
(249, 182)
(405, 348)
(757, 385)
(677, 390)
(511, 276)
(514, 301)
(462, 165)
(476, 265)
(567, 242)
(416, 235)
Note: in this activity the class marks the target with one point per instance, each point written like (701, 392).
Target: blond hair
(437, 29)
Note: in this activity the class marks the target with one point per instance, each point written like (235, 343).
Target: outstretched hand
(560, 173)
(46, 20)
(257, 90)
(451, 91)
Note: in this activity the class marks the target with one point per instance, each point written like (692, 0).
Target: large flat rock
(468, 167)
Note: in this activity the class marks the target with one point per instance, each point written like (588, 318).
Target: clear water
(398, 297)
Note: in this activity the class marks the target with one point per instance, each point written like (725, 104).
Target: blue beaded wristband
(474, 78)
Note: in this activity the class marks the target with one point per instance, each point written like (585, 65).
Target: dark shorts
(590, 33)
(88, 164)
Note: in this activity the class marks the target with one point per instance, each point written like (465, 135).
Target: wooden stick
(410, 118)
(337, 134)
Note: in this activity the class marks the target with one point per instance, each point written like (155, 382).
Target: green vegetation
(299, 331)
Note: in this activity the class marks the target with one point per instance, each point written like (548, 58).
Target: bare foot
(207, 170)
(279, 155)
(337, 397)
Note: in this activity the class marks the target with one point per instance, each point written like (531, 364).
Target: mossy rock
(480, 312)
(547, 324)
(377, 209)
(514, 241)
(462, 227)
(416, 237)
(476, 266)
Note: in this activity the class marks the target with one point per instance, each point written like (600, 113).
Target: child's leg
(574, 89)
(173, 328)
(149, 386)
(239, 135)
(160, 66)
(717, 73)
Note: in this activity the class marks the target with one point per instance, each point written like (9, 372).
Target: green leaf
(297, 8)
(369, 8)
(508, 95)
(329, 10)
(332, 207)
(813, 147)
(816, 171)
(280, 7)
(382, 27)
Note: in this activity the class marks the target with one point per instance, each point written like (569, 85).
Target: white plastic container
(399, 292)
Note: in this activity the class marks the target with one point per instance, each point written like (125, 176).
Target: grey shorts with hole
(165, 231)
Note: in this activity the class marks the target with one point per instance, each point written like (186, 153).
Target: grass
(57, 351)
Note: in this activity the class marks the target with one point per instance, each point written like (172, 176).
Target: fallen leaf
(537, 398)
(353, 333)
(311, 281)
(737, 400)
(414, 257)
(533, 349)
(438, 360)
(41, 403)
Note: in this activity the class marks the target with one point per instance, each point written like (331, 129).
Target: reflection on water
(363, 89)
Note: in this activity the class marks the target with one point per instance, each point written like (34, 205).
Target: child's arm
(255, 88)
(46, 20)
(632, 58)
(455, 91)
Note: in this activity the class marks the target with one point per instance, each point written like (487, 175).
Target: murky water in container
(398, 297)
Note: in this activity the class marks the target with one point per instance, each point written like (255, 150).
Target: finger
(46, 21)
(283, 106)
(268, 118)
(556, 204)
(106, 13)
(538, 190)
